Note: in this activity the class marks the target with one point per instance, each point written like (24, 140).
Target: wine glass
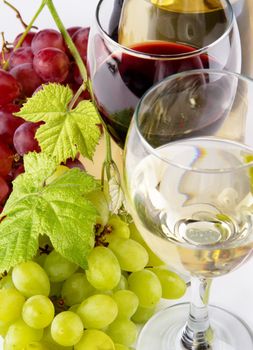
(122, 72)
(188, 175)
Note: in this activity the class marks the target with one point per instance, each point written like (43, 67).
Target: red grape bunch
(42, 58)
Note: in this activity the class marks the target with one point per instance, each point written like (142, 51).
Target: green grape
(19, 335)
(48, 341)
(76, 288)
(58, 268)
(143, 314)
(117, 228)
(11, 303)
(98, 311)
(94, 339)
(4, 329)
(38, 311)
(6, 282)
(173, 286)
(74, 308)
(130, 254)
(121, 347)
(30, 279)
(36, 346)
(103, 269)
(123, 284)
(60, 170)
(153, 260)
(50, 346)
(127, 303)
(40, 259)
(66, 328)
(146, 285)
(98, 199)
(122, 331)
(55, 289)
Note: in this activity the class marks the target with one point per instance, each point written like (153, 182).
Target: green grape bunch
(102, 305)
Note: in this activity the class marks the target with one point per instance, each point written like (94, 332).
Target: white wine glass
(122, 71)
(188, 175)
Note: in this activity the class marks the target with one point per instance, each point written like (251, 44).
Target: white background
(234, 291)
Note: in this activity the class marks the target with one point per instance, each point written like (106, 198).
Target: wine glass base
(163, 331)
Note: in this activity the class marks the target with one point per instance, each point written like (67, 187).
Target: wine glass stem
(197, 333)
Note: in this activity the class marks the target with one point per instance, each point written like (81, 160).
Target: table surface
(233, 292)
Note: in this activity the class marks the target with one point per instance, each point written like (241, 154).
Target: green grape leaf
(66, 131)
(58, 209)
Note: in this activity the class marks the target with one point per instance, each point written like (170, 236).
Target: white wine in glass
(188, 165)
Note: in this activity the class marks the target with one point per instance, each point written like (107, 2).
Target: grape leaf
(59, 210)
(65, 131)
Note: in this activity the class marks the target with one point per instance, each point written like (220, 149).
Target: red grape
(19, 170)
(47, 38)
(20, 56)
(72, 30)
(6, 159)
(11, 108)
(77, 76)
(80, 39)
(27, 41)
(74, 163)
(51, 65)
(9, 88)
(4, 190)
(9, 123)
(27, 77)
(24, 138)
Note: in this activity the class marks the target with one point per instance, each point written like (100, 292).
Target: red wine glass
(120, 74)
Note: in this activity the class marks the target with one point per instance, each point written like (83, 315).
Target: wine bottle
(185, 21)
(114, 20)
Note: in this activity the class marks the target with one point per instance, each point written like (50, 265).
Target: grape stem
(28, 28)
(86, 81)
(109, 159)
(75, 98)
(18, 15)
(5, 47)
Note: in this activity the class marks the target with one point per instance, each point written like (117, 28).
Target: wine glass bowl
(121, 72)
(188, 182)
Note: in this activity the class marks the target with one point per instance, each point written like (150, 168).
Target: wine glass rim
(153, 150)
(140, 54)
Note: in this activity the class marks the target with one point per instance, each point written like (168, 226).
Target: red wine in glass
(123, 77)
